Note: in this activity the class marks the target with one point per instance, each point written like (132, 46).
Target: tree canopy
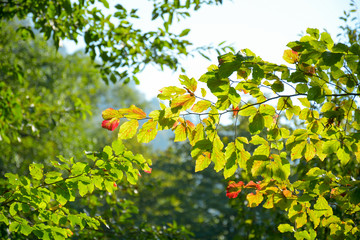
(291, 153)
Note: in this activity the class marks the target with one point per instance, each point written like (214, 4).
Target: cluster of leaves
(42, 117)
(321, 198)
(123, 49)
(39, 204)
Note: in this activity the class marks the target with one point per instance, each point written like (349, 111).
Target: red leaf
(148, 171)
(251, 184)
(115, 185)
(233, 189)
(110, 124)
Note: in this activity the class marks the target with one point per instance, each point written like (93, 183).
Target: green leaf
(277, 86)
(302, 88)
(52, 177)
(322, 207)
(343, 155)
(286, 228)
(184, 32)
(25, 229)
(314, 93)
(118, 147)
(257, 124)
(247, 110)
(330, 146)
(330, 58)
(109, 186)
(217, 155)
(231, 162)
(203, 92)
(14, 226)
(128, 129)
(79, 168)
(36, 171)
(313, 32)
(15, 207)
(83, 189)
(201, 153)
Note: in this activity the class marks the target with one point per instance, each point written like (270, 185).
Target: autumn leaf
(254, 199)
(180, 133)
(110, 124)
(201, 106)
(233, 189)
(291, 56)
(128, 129)
(202, 161)
(133, 112)
(147, 132)
(183, 101)
(251, 184)
(110, 113)
(235, 111)
(148, 171)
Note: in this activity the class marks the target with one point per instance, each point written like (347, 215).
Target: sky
(263, 26)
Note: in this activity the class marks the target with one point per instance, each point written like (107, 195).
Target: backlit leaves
(314, 123)
(183, 102)
(128, 129)
(147, 132)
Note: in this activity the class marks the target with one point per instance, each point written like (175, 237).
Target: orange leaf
(235, 111)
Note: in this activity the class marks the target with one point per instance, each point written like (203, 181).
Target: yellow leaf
(254, 199)
(310, 152)
(132, 112)
(128, 129)
(291, 56)
(183, 102)
(203, 161)
(147, 132)
(180, 133)
(201, 106)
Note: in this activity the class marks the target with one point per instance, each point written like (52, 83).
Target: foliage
(321, 194)
(43, 193)
(123, 49)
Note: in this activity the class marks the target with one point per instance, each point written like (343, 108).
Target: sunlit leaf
(147, 132)
(128, 129)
